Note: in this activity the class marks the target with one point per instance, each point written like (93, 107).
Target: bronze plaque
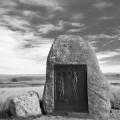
(70, 88)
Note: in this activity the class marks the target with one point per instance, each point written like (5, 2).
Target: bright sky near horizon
(28, 29)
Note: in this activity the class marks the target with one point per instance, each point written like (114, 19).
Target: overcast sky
(28, 29)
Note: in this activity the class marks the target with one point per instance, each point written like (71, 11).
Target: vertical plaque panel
(70, 88)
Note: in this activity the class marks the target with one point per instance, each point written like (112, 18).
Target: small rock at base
(25, 105)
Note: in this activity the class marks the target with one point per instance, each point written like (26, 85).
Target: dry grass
(6, 93)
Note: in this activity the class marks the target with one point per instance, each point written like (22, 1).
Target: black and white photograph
(60, 59)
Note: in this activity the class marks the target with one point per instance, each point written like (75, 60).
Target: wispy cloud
(7, 6)
(106, 18)
(19, 60)
(110, 68)
(29, 13)
(101, 36)
(106, 54)
(14, 22)
(3, 11)
(102, 4)
(53, 4)
(70, 23)
(46, 28)
(104, 42)
(75, 30)
(7, 3)
(78, 16)
(106, 63)
(41, 2)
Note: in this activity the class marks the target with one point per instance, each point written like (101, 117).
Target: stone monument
(74, 82)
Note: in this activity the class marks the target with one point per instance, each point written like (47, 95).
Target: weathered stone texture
(25, 105)
(70, 49)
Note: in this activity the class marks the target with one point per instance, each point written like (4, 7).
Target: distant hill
(25, 80)
(112, 76)
(21, 77)
(37, 77)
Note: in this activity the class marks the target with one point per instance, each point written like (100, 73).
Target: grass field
(14, 85)
(7, 93)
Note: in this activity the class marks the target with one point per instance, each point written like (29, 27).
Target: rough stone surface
(114, 115)
(25, 105)
(70, 49)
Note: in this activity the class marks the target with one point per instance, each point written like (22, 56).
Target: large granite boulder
(25, 105)
(70, 49)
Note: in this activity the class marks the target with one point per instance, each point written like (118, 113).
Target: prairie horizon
(21, 80)
(26, 80)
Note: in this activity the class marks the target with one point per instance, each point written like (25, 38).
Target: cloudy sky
(28, 29)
